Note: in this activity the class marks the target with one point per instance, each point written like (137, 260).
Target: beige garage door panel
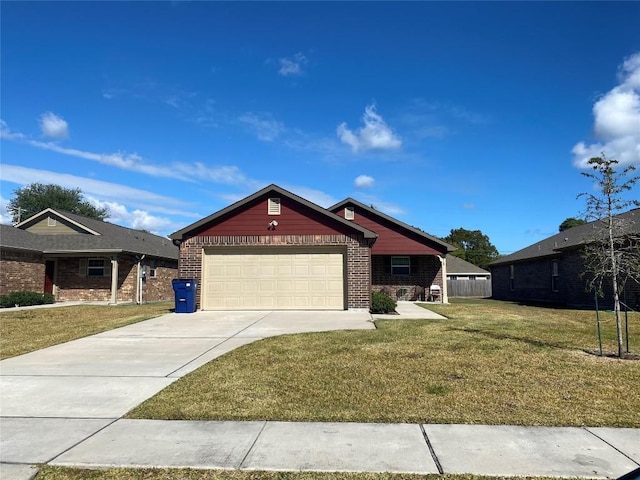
(274, 281)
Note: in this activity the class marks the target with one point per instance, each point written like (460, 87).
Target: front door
(49, 273)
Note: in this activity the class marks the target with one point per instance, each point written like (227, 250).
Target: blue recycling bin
(185, 293)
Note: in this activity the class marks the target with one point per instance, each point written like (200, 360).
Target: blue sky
(445, 115)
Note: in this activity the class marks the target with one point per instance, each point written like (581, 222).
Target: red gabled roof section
(394, 236)
(250, 217)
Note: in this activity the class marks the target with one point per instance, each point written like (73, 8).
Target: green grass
(23, 331)
(62, 473)
(488, 363)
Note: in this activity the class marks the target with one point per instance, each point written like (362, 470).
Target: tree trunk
(614, 275)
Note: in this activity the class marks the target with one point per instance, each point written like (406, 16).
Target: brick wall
(160, 287)
(21, 271)
(428, 271)
(71, 285)
(532, 283)
(358, 258)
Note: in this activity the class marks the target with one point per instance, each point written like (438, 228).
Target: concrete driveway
(54, 398)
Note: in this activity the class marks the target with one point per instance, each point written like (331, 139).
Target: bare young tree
(612, 257)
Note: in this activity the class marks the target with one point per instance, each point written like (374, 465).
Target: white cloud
(137, 219)
(316, 196)
(104, 191)
(265, 126)
(292, 66)
(5, 216)
(7, 134)
(375, 135)
(189, 172)
(364, 181)
(616, 120)
(53, 126)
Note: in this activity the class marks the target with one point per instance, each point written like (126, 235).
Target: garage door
(283, 279)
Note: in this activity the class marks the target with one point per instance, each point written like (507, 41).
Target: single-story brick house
(464, 279)
(77, 258)
(276, 250)
(551, 270)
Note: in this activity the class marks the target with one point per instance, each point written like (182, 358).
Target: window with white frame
(51, 222)
(554, 275)
(95, 267)
(274, 206)
(400, 265)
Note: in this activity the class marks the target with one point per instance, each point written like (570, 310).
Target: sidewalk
(357, 447)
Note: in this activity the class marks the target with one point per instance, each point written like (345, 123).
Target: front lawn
(23, 331)
(488, 363)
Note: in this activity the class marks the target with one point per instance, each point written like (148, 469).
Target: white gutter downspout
(139, 281)
(114, 280)
(443, 269)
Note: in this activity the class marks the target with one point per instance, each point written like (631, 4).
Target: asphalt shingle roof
(112, 238)
(459, 266)
(571, 238)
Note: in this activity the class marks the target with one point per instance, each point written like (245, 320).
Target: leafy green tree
(34, 198)
(473, 246)
(613, 254)
(570, 223)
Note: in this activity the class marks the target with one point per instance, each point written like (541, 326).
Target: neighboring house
(75, 257)
(405, 262)
(276, 250)
(552, 270)
(464, 279)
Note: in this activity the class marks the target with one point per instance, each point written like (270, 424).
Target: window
(51, 222)
(472, 277)
(152, 272)
(274, 206)
(400, 265)
(512, 277)
(554, 275)
(349, 213)
(453, 277)
(95, 268)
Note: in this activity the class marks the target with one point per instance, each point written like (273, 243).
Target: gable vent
(349, 213)
(274, 206)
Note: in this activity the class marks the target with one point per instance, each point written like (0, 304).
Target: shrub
(382, 303)
(25, 299)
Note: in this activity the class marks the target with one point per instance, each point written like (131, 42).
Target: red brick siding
(406, 287)
(72, 286)
(160, 287)
(358, 258)
(21, 271)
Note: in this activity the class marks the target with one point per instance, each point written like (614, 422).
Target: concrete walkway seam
(611, 445)
(431, 450)
(217, 345)
(255, 440)
(84, 439)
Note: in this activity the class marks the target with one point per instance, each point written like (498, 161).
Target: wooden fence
(469, 288)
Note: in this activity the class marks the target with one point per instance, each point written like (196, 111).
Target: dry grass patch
(488, 363)
(23, 331)
(61, 473)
